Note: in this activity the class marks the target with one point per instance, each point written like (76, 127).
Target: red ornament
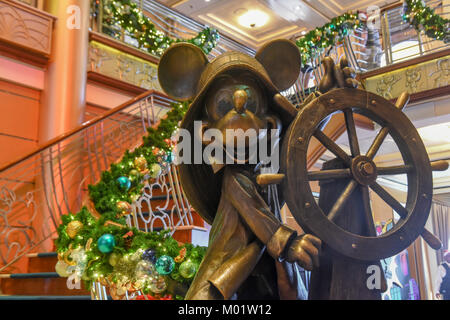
(181, 255)
(156, 151)
(128, 234)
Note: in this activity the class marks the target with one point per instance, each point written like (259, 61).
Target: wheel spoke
(329, 174)
(333, 147)
(368, 211)
(345, 195)
(377, 143)
(351, 131)
(394, 170)
(390, 200)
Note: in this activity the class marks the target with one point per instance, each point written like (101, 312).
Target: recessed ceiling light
(253, 19)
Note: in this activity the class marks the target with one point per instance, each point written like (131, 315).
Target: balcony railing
(396, 40)
(52, 181)
(170, 22)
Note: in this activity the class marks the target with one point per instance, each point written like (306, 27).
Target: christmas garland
(125, 259)
(329, 34)
(126, 15)
(415, 12)
(423, 18)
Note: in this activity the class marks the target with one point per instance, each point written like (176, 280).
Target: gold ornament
(124, 207)
(140, 163)
(73, 228)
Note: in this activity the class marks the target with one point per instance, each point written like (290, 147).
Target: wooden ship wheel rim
(361, 169)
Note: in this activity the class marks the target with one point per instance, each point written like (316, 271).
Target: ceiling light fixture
(253, 19)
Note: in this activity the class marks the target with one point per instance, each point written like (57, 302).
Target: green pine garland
(415, 12)
(105, 195)
(329, 34)
(126, 15)
(423, 18)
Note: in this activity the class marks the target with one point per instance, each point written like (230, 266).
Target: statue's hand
(348, 74)
(337, 76)
(305, 251)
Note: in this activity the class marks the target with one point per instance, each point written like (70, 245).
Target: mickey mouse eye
(223, 102)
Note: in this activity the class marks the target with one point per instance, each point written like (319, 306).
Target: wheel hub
(364, 170)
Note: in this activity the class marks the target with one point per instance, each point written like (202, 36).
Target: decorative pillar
(64, 97)
(62, 109)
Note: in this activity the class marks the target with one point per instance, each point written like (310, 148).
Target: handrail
(81, 127)
(37, 189)
(404, 64)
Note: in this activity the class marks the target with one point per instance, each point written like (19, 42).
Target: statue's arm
(242, 194)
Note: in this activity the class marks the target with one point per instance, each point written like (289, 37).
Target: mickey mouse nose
(240, 100)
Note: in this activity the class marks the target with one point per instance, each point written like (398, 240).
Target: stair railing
(37, 189)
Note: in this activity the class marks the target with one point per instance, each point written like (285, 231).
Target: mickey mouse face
(236, 91)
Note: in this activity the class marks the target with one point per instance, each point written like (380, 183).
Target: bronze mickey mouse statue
(251, 254)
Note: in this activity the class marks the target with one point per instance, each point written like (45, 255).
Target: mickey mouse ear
(179, 70)
(282, 61)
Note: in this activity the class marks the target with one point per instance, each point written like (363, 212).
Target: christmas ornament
(114, 258)
(187, 269)
(155, 151)
(164, 265)
(149, 255)
(140, 164)
(124, 183)
(134, 173)
(181, 255)
(106, 243)
(155, 171)
(124, 208)
(145, 268)
(157, 284)
(61, 269)
(73, 228)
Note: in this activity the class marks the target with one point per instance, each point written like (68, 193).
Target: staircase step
(42, 262)
(34, 275)
(37, 284)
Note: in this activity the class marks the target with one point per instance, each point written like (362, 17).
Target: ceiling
(287, 18)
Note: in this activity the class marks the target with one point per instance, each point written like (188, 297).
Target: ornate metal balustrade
(170, 22)
(36, 190)
(396, 40)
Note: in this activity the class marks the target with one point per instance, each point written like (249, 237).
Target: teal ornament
(187, 269)
(124, 183)
(169, 157)
(164, 265)
(106, 243)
